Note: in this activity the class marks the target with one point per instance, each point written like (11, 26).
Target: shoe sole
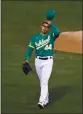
(40, 106)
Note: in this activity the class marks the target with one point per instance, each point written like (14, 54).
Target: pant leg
(46, 72)
(38, 67)
(47, 98)
(39, 72)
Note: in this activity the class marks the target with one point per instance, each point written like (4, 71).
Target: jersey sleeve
(32, 43)
(28, 53)
(56, 32)
(30, 49)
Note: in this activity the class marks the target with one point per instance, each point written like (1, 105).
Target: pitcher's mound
(69, 42)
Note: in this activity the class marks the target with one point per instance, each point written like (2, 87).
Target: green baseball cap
(50, 14)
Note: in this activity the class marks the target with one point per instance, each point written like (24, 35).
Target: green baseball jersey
(43, 44)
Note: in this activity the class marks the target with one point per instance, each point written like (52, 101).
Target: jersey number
(48, 47)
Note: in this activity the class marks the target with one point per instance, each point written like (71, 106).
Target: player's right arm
(56, 31)
(30, 49)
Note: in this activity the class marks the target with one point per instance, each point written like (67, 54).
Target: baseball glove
(26, 68)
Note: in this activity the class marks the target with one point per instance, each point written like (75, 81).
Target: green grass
(20, 93)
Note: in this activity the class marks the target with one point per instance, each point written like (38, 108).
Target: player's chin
(44, 32)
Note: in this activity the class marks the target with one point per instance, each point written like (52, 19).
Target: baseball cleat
(40, 105)
(46, 104)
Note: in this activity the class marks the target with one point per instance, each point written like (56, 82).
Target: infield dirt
(69, 42)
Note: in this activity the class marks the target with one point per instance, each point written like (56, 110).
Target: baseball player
(43, 43)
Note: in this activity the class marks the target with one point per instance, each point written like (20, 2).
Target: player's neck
(43, 33)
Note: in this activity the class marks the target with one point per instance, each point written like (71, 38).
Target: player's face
(45, 28)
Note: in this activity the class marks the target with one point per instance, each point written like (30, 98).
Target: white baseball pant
(44, 69)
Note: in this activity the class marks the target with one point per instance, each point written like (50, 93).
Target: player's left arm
(56, 32)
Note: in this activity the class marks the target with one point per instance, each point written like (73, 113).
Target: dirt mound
(69, 42)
